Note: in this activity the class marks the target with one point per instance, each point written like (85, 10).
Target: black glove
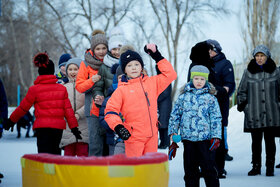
(241, 106)
(8, 124)
(76, 133)
(155, 55)
(122, 132)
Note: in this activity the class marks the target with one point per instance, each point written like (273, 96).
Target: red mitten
(215, 143)
(172, 150)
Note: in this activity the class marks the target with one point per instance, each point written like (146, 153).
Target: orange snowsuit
(136, 100)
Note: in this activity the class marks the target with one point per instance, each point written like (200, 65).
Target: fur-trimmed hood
(268, 67)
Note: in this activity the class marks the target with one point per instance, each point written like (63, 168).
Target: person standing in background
(258, 96)
(164, 110)
(87, 80)
(3, 112)
(61, 75)
(71, 145)
(225, 86)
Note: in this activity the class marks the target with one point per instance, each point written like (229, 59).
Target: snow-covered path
(12, 149)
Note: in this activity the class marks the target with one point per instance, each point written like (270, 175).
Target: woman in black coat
(258, 96)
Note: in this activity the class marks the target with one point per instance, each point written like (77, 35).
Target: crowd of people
(107, 104)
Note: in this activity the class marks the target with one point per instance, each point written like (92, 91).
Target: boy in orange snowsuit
(136, 99)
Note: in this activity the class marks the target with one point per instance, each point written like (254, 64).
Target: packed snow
(12, 149)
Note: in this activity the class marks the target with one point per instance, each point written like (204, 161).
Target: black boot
(256, 170)
(269, 171)
(277, 166)
(270, 168)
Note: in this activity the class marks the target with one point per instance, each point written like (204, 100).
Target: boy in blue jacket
(197, 115)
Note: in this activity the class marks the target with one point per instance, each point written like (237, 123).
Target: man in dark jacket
(225, 86)
(3, 111)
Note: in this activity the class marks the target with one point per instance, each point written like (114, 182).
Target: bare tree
(173, 16)
(101, 14)
(261, 20)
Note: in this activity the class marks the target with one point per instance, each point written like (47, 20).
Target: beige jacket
(77, 100)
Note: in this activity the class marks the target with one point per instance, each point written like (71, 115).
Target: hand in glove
(9, 124)
(241, 106)
(152, 50)
(215, 143)
(76, 133)
(122, 132)
(172, 150)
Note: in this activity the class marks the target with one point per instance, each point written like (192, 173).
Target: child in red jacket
(136, 99)
(51, 104)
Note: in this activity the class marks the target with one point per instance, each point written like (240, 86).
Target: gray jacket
(258, 96)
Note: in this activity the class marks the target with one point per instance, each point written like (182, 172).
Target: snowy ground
(12, 149)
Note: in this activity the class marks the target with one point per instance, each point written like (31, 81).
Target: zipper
(148, 105)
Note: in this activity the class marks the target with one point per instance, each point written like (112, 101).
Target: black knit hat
(129, 56)
(46, 65)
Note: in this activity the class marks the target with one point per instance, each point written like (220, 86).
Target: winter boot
(270, 168)
(277, 166)
(256, 170)
(269, 171)
(228, 157)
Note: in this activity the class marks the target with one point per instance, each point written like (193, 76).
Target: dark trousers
(220, 154)
(270, 147)
(48, 140)
(163, 136)
(197, 154)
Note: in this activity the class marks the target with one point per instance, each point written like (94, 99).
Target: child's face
(72, 71)
(115, 52)
(199, 82)
(63, 70)
(100, 51)
(133, 69)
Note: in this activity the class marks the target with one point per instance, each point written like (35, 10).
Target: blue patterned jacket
(197, 114)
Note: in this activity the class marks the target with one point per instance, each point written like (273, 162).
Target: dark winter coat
(101, 87)
(110, 134)
(164, 107)
(3, 102)
(223, 76)
(259, 96)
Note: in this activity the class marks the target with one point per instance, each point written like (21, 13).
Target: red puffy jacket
(136, 100)
(51, 104)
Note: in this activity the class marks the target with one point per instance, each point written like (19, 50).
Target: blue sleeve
(175, 116)
(102, 121)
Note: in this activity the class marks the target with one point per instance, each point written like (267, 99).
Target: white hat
(116, 38)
